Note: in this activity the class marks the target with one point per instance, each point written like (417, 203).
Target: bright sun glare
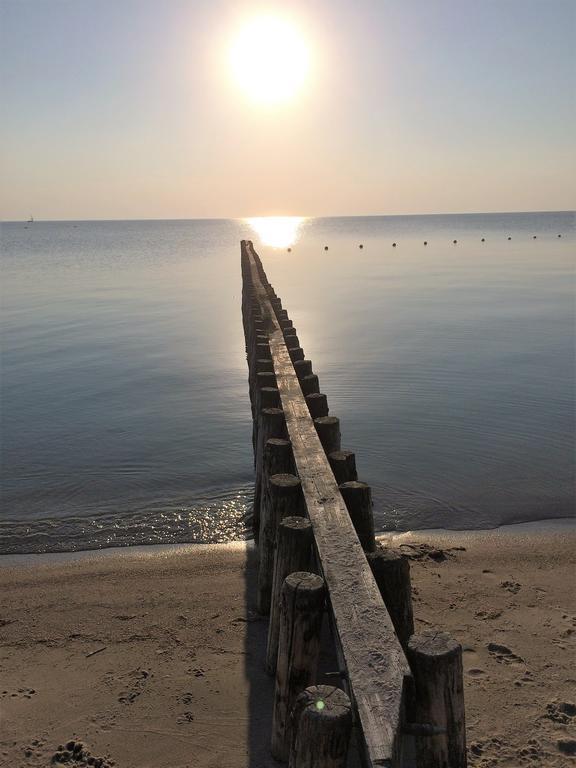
(269, 60)
(277, 231)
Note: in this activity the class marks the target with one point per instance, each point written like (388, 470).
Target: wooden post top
(376, 665)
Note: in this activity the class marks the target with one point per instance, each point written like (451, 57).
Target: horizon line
(287, 216)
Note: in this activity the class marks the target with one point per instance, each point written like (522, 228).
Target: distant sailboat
(31, 220)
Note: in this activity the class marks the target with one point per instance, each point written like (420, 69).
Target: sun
(269, 60)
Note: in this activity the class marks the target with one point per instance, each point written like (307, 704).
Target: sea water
(125, 410)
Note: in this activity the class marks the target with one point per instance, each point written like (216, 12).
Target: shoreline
(547, 526)
(155, 658)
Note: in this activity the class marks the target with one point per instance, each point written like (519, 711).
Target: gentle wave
(219, 517)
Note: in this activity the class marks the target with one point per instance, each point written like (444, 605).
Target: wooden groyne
(314, 528)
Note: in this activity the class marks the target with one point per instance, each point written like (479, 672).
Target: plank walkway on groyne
(315, 535)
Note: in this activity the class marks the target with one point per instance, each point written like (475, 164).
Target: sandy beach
(153, 658)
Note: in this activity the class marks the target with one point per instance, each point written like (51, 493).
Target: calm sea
(125, 412)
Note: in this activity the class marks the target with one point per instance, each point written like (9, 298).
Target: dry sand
(154, 658)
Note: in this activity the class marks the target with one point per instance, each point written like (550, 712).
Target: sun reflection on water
(277, 231)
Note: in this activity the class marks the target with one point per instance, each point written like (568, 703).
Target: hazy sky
(127, 109)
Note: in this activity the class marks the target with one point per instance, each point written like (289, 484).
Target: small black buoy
(509, 238)
(483, 240)
(325, 247)
(425, 242)
(533, 237)
(454, 241)
(393, 245)
(360, 246)
(559, 235)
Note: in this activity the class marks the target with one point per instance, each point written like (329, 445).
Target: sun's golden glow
(277, 231)
(269, 60)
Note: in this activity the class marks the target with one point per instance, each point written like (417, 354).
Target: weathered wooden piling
(303, 368)
(296, 353)
(293, 553)
(291, 337)
(277, 459)
(301, 607)
(328, 429)
(262, 380)
(358, 499)
(392, 574)
(282, 497)
(269, 397)
(321, 727)
(435, 659)
(271, 424)
(317, 404)
(343, 464)
(309, 384)
(264, 365)
(262, 349)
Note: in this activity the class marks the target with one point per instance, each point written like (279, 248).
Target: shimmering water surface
(125, 412)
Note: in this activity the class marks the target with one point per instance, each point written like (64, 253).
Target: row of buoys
(482, 240)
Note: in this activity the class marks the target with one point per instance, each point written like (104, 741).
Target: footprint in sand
(20, 693)
(487, 615)
(198, 672)
(487, 753)
(476, 672)
(137, 682)
(503, 654)
(532, 753)
(560, 712)
(511, 586)
(526, 679)
(567, 746)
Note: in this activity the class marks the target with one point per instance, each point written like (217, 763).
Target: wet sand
(153, 658)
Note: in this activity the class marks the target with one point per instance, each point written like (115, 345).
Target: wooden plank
(375, 662)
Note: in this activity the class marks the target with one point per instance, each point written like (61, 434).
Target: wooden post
(296, 353)
(321, 726)
(309, 384)
(358, 499)
(328, 428)
(262, 350)
(258, 328)
(392, 574)
(263, 380)
(269, 397)
(317, 404)
(303, 368)
(264, 365)
(343, 465)
(278, 458)
(301, 606)
(291, 338)
(281, 497)
(271, 424)
(260, 365)
(436, 662)
(293, 552)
